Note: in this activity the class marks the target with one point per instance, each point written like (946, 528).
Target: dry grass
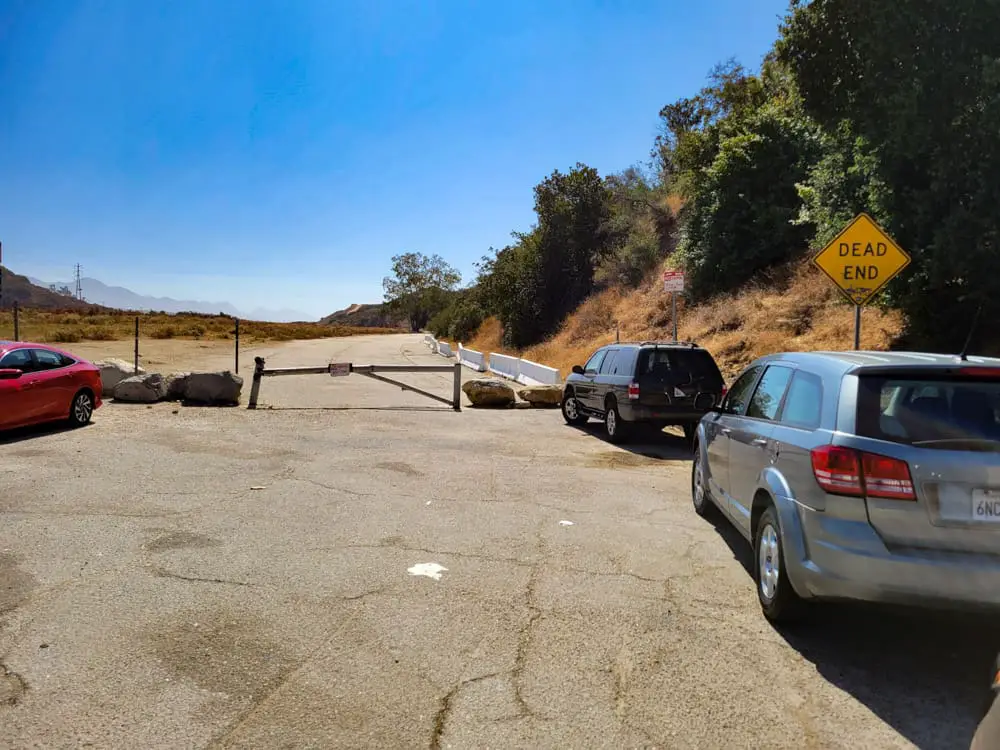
(796, 310)
(73, 326)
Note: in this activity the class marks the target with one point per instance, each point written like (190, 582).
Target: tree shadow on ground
(923, 672)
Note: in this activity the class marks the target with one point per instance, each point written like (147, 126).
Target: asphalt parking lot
(195, 578)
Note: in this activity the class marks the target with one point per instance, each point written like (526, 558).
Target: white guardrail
(472, 359)
(522, 371)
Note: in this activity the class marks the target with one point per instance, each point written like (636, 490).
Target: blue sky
(280, 153)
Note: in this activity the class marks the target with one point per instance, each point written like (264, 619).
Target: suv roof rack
(689, 344)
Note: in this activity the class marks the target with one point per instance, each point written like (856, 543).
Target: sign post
(860, 261)
(673, 282)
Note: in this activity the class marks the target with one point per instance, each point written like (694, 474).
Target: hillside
(796, 309)
(16, 288)
(365, 316)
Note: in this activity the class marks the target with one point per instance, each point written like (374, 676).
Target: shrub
(99, 333)
(65, 336)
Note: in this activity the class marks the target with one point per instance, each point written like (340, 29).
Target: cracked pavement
(149, 598)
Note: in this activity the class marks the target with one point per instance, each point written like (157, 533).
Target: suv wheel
(703, 505)
(778, 599)
(615, 427)
(571, 410)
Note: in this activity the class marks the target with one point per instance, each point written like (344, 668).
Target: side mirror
(577, 370)
(9, 374)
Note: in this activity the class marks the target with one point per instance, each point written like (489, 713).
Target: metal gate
(343, 369)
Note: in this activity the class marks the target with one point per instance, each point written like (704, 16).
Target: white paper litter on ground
(431, 570)
(565, 523)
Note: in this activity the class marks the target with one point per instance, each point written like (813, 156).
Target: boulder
(114, 371)
(177, 386)
(142, 389)
(489, 392)
(542, 395)
(213, 388)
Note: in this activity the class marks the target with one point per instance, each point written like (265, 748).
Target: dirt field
(176, 355)
(194, 578)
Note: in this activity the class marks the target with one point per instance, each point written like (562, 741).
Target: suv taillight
(633, 391)
(887, 477)
(844, 471)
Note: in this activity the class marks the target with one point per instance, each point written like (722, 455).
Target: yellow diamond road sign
(862, 259)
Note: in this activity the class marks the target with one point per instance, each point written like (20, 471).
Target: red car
(42, 384)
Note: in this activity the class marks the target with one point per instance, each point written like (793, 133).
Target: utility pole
(78, 291)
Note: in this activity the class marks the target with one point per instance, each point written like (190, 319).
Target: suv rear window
(948, 413)
(697, 363)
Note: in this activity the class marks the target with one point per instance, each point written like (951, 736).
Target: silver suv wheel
(768, 565)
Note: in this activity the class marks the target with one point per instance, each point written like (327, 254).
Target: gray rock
(114, 371)
(489, 392)
(142, 389)
(213, 388)
(542, 395)
(177, 386)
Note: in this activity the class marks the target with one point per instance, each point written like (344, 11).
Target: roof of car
(669, 344)
(886, 360)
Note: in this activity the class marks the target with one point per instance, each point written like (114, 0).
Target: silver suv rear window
(940, 412)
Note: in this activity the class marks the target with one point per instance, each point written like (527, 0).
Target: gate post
(258, 373)
(457, 392)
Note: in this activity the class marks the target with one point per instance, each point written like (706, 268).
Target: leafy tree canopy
(419, 286)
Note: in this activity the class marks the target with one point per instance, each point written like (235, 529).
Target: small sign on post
(673, 282)
(861, 260)
(340, 369)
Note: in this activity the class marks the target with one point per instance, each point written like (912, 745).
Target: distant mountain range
(120, 298)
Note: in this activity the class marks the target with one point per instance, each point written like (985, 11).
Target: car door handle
(760, 442)
(725, 430)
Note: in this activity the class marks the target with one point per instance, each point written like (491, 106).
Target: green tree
(419, 287)
(461, 318)
(533, 284)
(640, 228)
(911, 90)
(736, 152)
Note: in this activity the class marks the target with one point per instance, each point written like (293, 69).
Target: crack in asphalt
(526, 636)
(364, 594)
(244, 717)
(443, 553)
(524, 640)
(441, 717)
(99, 514)
(161, 573)
(331, 487)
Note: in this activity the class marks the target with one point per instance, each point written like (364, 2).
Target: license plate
(986, 506)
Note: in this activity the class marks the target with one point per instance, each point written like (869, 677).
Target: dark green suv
(652, 383)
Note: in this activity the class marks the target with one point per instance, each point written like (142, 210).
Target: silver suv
(867, 476)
